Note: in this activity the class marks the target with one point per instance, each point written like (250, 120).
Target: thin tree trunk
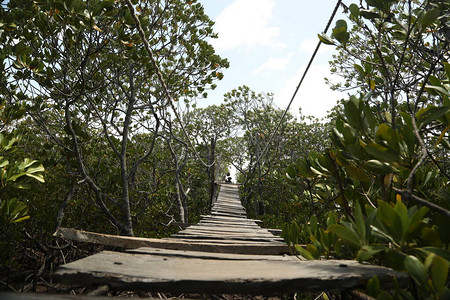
(212, 171)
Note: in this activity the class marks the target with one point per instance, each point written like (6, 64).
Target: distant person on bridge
(228, 178)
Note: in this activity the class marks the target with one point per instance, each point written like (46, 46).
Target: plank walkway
(224, 253)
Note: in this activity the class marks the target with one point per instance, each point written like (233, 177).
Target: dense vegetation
(100, 132)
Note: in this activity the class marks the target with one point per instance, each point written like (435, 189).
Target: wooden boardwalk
(224, 253)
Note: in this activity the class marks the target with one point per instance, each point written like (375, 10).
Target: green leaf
(325, 39)
(437, 88)
(391, 219)
(439, 272)
(303, 252)
(304, 169)
(313, 250)
(331, 219)
(381, 153)
(431, 113)
(313, 224)
(291, 172)
(379, 167)
(367, 14)
(429, 17)
(366, 252)
(359, 221)
(354, 10)
(373, 286)
(340, 31)
(388, 134)
(416, 222)
(356, 173)
(416, 269)
(346, 235)
(353, 114)
(38, 177)
(447, 69)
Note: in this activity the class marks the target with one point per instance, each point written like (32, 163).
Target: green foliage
(389, 144)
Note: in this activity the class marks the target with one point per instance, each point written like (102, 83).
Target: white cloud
(246, 23)
(308, 46)
(273, 64)
(314, 96)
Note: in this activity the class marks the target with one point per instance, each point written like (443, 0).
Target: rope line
(161, 79)
(300, 83)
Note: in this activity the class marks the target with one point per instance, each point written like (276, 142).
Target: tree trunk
(212, 172)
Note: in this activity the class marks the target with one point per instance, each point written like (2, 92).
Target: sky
(268, 44)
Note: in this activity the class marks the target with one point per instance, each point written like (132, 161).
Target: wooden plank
(244, 235)
(136, 242)
(147, 272)
(228, 237)
(209, 255)
(233, 219)
(225, 223)
(260, 244)
(227, 218)
(240, 222)
(227, 229)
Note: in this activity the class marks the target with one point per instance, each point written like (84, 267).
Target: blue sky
(268, 44)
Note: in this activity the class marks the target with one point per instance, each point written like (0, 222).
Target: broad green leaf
(431, 113)
(356, 173)
(391, 219)
(353, 114)
(429, 17)
(340, 31)
(360, 69)
(367, 14)
(381, 153)
(437, 88)
(447, 69)
(379, 167)
(291, 172)
(416, 269)
(373, 286)
(439, 273)
(346, 235)
(325, 39)
(438, 251)
(388, 134)
(366, 252)
(331, 219)
(402, 212)
(304, 169)
(354, 10)
(416, 221)
(38, 177)
(303, 252)
(313, 250)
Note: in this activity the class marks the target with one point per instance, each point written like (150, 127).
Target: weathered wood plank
(229, 237)
(147, 272)
(136, 242)
(209, 255)
(219, 228)
(258, 244)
